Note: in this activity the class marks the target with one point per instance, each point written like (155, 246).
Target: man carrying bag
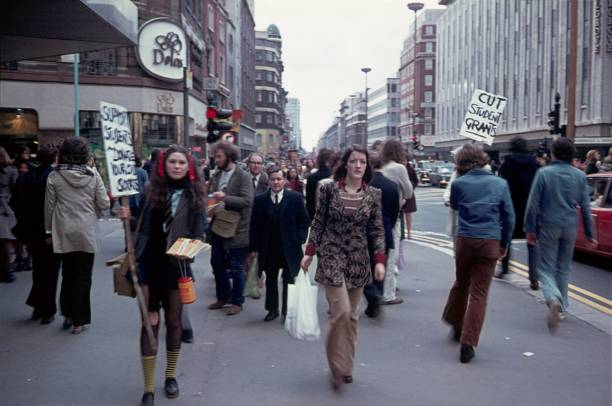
(231, 187)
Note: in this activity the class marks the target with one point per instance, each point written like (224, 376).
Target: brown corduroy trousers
(475, 260)
(342, 335)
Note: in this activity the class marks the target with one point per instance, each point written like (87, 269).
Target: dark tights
(172, 316)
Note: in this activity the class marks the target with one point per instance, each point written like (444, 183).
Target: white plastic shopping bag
(302, 321)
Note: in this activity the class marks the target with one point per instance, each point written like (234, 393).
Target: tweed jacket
(341, 241)
(239, 197)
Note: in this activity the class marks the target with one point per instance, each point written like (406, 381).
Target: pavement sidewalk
(403, 358)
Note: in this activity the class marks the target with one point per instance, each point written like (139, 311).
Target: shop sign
(165, 103)
(162, 49)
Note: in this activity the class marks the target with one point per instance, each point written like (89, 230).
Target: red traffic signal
(211, 113)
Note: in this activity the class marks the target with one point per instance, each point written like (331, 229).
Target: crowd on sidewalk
(351, 209)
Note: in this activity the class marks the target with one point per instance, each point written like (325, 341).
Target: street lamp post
(365, 138)
(414, 6)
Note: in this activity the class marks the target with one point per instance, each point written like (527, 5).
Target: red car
(600, 188)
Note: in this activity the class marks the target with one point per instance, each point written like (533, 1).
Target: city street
(404, 357)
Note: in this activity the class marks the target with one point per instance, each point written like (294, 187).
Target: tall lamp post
(365, 138)
(414, 6)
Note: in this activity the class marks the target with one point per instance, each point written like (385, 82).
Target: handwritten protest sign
(483, 116)
(118, 150)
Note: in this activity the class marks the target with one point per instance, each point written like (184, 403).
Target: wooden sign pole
(132, 266)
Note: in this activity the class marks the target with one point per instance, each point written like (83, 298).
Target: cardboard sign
(483, 116)
(118, 150)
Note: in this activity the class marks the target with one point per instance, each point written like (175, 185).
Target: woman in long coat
(348, 214)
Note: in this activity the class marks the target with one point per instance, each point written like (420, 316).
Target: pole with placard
(119, 153)
(483, 117)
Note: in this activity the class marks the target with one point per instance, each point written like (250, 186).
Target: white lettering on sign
(118, 150)
(483, 116)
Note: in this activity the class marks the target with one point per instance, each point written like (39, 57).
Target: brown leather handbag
(225, 223)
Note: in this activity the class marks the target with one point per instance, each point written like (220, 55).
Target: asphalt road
(403, 358)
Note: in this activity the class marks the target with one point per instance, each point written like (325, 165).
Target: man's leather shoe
(187, 336)
(534, 285)
(271, 316)
(171, 388)
(148, 399)
(219, 304)
(47, 320)
(234, 310)
(372, 310)
(347, 379)
(467, 353)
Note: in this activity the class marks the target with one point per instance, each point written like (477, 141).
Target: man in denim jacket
(551, 220)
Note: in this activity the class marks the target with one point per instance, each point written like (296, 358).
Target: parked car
(440, 175)
(600, 188)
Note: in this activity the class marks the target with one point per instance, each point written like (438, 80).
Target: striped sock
(171, 359)
(148, 369)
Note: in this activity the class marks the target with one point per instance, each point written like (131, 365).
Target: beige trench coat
(73, 203)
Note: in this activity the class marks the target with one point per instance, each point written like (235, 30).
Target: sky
(325, 45)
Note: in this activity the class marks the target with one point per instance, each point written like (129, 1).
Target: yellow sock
(171, 359)
(148, 369)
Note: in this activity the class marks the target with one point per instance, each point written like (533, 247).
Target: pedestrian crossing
(429, 195)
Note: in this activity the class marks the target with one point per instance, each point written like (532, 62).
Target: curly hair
(470, 156)
(74, 151)
(157, 192)
(340, 171)
(230, 150)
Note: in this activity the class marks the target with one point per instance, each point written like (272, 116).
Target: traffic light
(415, 143)
(543, 148)
(553, 121)
(219, 122)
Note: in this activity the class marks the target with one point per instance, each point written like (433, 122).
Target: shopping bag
(302, 321)
(251, 288)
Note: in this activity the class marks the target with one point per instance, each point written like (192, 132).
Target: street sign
(118, 149)
(210, 84)
(483, 116)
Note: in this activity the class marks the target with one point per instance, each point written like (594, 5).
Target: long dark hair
(160, 183)
(340, 172)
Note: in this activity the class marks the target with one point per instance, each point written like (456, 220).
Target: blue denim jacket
(556, 192)
(484, 205)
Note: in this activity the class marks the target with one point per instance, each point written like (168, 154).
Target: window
(222, 69)
(270, 120)
(258, 56)
(429, 30)
(158, 130)
(211, 18)
(259, 97)
(428, 80)
(221, 31)
(427, 113)
(259, 75)
(258, 119)
(394, 102)
(428, 64)
(429, 47)
(269, 77)
(427, 129)
(428, 97)
(230, 44)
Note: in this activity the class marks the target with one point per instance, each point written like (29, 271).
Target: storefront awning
(32, 29)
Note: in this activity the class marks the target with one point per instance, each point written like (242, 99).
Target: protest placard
(483, 116)
(118, 150)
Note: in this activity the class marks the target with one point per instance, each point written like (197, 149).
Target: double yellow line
(584, 296)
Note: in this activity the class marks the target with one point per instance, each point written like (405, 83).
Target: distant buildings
(383, 111)
(292, 111)
(270, 95)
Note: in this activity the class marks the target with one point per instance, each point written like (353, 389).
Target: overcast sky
(325, 45)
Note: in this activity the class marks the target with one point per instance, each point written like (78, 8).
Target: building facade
(519, 49)
(270, 95)
(383, 111)
(44, 87)
(292, 111)
(417, 74)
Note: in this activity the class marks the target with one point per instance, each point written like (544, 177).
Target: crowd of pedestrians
(351, 210)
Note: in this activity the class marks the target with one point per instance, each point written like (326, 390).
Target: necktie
(276, 198)
(254, 182)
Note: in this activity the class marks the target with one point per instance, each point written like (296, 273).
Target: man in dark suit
(390, 213)
(258, 176)
(312, 182)
(279, 227)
